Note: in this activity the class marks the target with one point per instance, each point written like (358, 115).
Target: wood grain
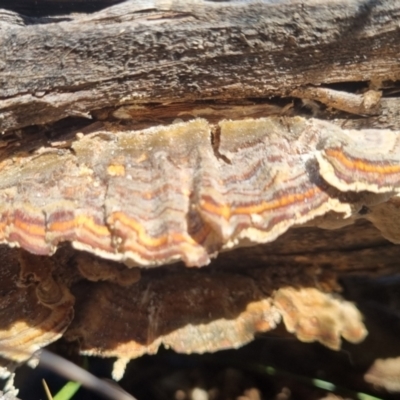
(164, 51)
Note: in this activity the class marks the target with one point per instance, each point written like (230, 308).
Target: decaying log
(165, 51)
(160, 131)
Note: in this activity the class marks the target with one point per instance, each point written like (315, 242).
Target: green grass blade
(68, 391)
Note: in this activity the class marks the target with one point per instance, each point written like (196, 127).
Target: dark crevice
(349, 87)
(44, 8)
(215, 142)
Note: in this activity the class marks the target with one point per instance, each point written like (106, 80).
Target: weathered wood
(165, 51)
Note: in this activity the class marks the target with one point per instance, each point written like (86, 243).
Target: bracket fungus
(166, 194)
(185, 192)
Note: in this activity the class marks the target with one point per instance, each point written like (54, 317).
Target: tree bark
(146, 52)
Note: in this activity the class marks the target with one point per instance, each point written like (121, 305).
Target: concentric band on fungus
(161, 195)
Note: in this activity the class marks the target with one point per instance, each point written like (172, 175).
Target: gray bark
(159, 51)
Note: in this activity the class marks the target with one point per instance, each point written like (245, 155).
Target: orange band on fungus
(362, 165)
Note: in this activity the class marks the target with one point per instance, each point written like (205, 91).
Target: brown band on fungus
(35, 308)
(39, 271)
(27, 229)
